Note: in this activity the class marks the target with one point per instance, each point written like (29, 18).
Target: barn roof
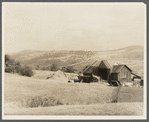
(96, 64)
(117, 68)
(101, 64)
(107, 64)
(90, 68)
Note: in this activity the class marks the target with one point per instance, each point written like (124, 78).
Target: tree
(11, 66)
(37, 67)
(26, 71)
(54, 67)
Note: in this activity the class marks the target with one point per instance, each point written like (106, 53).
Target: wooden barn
(89, 71)
(121, 73)
(101, 68)
(109, 70)
(105, 68)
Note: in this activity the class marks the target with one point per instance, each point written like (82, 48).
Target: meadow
(30, 95)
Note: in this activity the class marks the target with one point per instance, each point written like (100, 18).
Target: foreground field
(77, 98)
(97, 109)
(19, 88)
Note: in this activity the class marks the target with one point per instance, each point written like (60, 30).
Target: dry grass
(22, 93)
(131, 94)
(129, 109)
(19, 88)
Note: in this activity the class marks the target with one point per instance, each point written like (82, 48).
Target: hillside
(132, 56)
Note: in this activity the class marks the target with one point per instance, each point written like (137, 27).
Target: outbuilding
(101, 68)
(121, 73)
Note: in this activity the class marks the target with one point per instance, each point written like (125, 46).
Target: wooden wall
(124, 74)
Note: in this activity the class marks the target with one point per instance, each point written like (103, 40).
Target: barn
(109, 70)
(105, 68)
(90, 71)
(93, 69)
(121, 73)
(101, 68)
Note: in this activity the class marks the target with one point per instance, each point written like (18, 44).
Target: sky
(72, 26)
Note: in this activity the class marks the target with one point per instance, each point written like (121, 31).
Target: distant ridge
(80, 57)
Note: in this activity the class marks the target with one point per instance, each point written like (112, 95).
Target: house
(121, 73)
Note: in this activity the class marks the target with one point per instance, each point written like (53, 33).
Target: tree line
(12, 66)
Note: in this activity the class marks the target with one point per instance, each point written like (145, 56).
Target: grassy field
(22, 88)
(128, 109)
(24, 92)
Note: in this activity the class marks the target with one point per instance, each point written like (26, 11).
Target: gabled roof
(108, 64)
(117, 68)
(89, 69)
(96, 64)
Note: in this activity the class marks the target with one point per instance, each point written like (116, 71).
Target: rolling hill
(132, 56)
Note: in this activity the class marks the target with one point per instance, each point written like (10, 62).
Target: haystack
(60, 76)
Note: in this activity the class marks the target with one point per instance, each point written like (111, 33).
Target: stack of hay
(59, 76)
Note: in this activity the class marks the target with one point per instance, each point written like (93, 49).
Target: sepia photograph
(63, 60)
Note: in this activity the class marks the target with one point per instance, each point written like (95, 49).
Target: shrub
(42, 101)
(26, 71)
(9, 69)
(37, 67)
(46, 68)
(54, 67)
(17, 69)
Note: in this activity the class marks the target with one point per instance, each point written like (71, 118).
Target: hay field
(20, 92)
(132, 109)
(22, 88)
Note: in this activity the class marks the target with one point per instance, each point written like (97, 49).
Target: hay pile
(59, 75)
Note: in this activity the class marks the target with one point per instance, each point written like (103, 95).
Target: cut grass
(129, 109)
(34, 92)
(31, 92)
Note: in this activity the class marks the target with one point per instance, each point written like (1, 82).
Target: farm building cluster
(110, 71)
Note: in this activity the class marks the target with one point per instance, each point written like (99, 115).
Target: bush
(9, 69)
(26, 71)
(11, 66)
(41, 101)
(54, 67)
(17, 69)
(37, 67)
(46, 68)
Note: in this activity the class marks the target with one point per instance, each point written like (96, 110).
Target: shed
(135, 76)
(121, 73)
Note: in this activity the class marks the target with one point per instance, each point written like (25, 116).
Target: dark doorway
(104, 73)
